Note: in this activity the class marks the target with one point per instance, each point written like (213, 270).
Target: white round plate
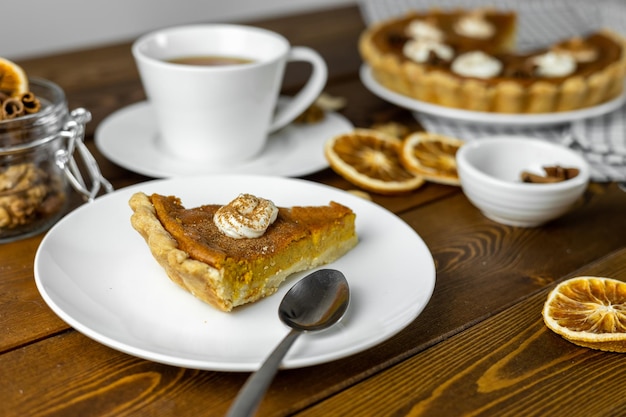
(129, 138)
(98, 275)
(487, 118)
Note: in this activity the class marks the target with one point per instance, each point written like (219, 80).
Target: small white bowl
(490, 173)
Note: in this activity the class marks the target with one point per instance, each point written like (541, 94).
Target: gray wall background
(42, 27)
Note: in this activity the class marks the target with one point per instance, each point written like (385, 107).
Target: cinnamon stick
(31, 103)
(553, 174)
(12, 108)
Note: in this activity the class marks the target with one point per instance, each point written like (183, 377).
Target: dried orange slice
(13, 80)
(371, 160)
(432, 156)
(590, 312)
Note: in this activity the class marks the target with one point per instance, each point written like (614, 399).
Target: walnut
(24, 190)
(311, 115)
(581, 50)
(5, 217)
(316, 112)
(398, 130)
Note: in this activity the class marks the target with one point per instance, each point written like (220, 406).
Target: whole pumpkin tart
(465, 59)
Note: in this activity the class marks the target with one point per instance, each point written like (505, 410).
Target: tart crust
(502, 94)
(227, 272)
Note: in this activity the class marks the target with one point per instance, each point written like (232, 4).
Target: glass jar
(37, 164)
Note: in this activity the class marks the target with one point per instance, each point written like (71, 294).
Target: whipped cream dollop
(419, 50)
(474, 25)
(424, 30)
(246, 216)
(476, 64)
(554, 64)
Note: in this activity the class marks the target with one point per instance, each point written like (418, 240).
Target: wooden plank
(24, 316)
(476, 278)
(505, 366)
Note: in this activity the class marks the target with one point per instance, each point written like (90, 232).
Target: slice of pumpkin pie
(239, 253)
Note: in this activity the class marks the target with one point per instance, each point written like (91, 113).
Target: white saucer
(491, 119)
(128, 137)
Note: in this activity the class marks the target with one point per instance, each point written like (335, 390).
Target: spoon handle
(257, 384)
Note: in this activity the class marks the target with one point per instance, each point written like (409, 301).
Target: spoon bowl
(314, 303)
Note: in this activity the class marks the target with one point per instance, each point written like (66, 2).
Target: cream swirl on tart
(476, 64)
(554, 64)
(474, 25)
(420, 50)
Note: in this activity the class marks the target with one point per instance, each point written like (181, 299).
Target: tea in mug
(210, 60)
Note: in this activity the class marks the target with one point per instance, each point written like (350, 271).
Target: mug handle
(309, 93)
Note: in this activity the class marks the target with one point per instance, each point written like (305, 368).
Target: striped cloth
(601, 140)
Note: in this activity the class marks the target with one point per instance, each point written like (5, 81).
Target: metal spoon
(316, 302)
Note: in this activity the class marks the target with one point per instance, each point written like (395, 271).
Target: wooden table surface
(479, 348)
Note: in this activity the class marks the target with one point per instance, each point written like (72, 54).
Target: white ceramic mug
(221, 113)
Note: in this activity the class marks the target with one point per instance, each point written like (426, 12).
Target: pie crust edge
(190, 274)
